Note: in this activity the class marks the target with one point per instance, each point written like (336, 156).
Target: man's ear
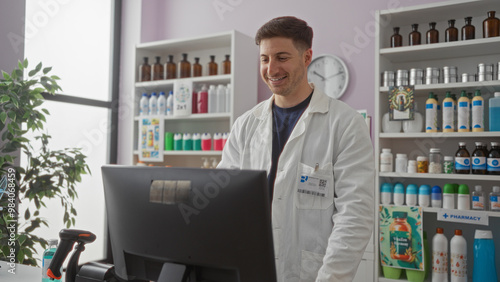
(307, 56)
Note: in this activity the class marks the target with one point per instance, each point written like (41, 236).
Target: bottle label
(463, 115)
(462, 163)
(493, 164)
(439, 262)
(479, 163)
(430, 117)
(478, 202)
(477, 114)
(494, 204)
(458, 263)
(400, 243)
(448, 116)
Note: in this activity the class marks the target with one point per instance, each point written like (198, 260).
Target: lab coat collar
(320, 103)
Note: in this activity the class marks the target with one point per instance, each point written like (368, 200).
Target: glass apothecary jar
(491, 26)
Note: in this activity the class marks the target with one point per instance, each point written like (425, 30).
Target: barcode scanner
(68, 238)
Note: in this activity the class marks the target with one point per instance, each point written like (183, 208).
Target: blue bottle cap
(436, 193)
(399, 188)
(386, 187)
(411, 189)
(424, 190)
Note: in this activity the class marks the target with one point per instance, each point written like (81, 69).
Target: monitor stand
(171, 272)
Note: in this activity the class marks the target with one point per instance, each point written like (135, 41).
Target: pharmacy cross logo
(303, 178)
(445, 215)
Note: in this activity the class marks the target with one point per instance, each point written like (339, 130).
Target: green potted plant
(47, 174)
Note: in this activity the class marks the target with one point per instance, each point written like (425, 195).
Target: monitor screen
(188, 224)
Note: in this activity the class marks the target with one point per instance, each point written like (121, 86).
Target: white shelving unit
(465, 55)
(243, 79)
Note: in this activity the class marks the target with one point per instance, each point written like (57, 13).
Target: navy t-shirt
(284, 120)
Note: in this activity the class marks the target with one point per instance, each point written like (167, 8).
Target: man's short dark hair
(288, 27)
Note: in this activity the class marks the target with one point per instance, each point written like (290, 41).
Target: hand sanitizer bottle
(48, 254)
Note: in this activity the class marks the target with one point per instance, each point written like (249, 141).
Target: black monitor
(188, 224)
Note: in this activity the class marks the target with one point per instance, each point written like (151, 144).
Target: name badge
(313, 186)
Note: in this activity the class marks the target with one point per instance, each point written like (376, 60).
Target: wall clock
(329, 73)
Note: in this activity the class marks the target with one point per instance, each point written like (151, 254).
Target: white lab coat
(316, 238)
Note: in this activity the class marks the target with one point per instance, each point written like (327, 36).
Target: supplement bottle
(431, 112)
(400, 236)
(435, 161)
(477, 112)
(439, 257)
(462, 159)
(458, 257)
(448, 113)
(463, 202)
(495, 199)
(422, 164)
(401, 163)
(463, 112)
(478, 160)
(424, 195)
(48, 255)
(478, 198)
(448, 196)
(386, 194)
(386, 161)
(399, 194)
(411, 195)
(493, 161)
(412, 166)
(448, 165)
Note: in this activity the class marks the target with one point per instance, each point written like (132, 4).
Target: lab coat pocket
(315, 187)
(310, 264)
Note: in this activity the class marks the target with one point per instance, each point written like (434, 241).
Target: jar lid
(412, 163)
(494, 143)
(458, 232)
(422, 158)
(411, 189)
(483, 234)
(439, 230)
(403, 156)
(448, 158)
(386, 150)
(463, 143)
(448, 189)
(496, 189)
(436, 189)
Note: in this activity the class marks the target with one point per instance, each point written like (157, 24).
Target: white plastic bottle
(386, 161)
(463, 113)
(495, 199)
(48, 255)
(477, 112)
(212, 99)
(478, 198)
(153, 104)
(144, 105)
(228, 98)
(170, 103)
(458, 257)
(448, 113)
(221, 98)
(439, 257)
(162, 104)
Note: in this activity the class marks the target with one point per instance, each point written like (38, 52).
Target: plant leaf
(3, 117)
(46, 70)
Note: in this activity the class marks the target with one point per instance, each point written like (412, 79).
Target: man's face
(282, 67)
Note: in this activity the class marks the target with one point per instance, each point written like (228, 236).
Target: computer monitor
(188, 224)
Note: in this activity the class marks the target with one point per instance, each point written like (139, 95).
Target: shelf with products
(238, 48)
(465, 55)
(436, 210)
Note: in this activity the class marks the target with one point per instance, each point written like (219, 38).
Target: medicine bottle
(495, 199)
(422, 164)
(493, 166)
(451, 33)
(435, 161)
(424, 195)
(184, 67)
(170, 68)
(399, 194)
(463, 202)
(145, 70)
(400, 237)
(386, 194)
(414, 36)
(462, 159)
(197, 68)
(412, 166)
(396, 38)
(468, 30)
(386, 161)
(401, 163)
(157, 69)
(491, 26)
(432, 35)
(448, 164)
(478, 160)
(226, 64)
(411, 195)
(212, 66)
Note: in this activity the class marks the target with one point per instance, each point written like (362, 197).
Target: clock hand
(340, 72)
(316, 73)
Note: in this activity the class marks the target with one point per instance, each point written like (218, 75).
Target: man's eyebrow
(277, 54)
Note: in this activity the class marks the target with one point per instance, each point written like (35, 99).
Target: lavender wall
(341, 27)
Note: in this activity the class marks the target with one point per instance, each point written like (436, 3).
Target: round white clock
(330, 74)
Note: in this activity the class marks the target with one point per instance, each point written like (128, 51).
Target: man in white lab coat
(319, 159)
